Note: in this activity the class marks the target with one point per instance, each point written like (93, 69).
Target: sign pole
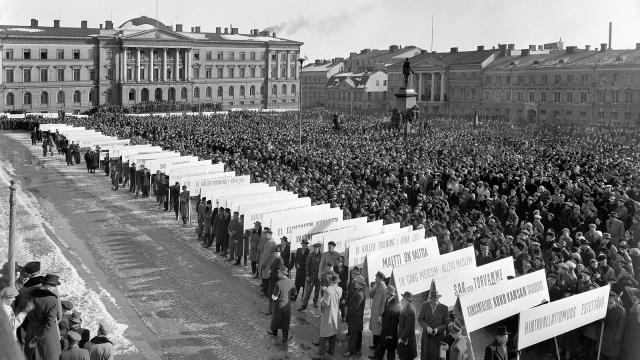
(555, 340)
(12, 247)
(600, 339)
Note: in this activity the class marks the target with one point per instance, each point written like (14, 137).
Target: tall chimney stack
(610, 25)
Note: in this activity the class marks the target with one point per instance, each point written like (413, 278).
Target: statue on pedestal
(406, 72)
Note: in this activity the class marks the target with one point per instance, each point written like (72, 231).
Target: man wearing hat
(67, 310)
(273, 264)
(329, 322)
(286, 252)
(460, 346)
(100, 347)
(355, 315)
(407, 345)
(389, 333)
(75, 325)
(614, 326)
(30, 271)
(498, 350)
(615, 227)
(254, 245)
(235, 238)
(8, 295)
(312, 266)
(282, 294)
(42, 340)
(604, 273)
(329, 256)
(174, 198)
(73, 351)
(299, 260)
(266, 252)
(184, 204)
(221, 231)
(378, 296)
(433, 319)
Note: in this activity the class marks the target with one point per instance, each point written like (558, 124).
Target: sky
(334, 28)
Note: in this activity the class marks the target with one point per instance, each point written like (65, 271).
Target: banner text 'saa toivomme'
(326, 229)
(556, 318)
(416, 277)
(358, 251)
(487, 306)
(385, 260)
(465, 282)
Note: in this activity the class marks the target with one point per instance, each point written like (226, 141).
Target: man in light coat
(265, 254)
(329, 320)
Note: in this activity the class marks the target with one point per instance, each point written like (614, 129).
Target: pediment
(429, 64)
(154, 34)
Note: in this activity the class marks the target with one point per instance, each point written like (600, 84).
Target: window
(600, 96)
(8, 75)
(509, 80)
(384, 82)
(242, 74)
(231, 71)
(252, 90)
(76, 74)
(109, 95)
(230, 55)
(377, 82)
(556, 96)
(486, 95)
(261, 89)
(627, 115)
(616, 96)
(283, 56)
(284, 90)
(241, 90)
(220, 91)
(207, 73)
(600, 114)
(273, 57)
(43, 54)
(10, 99)
(274, 72)
(569, 97)
(142, 73)
(544, 79)
(76, 97)
(130, 74)
(44, 75)
(274, 89)
(8, 54)
(532, 96)
(231, 91)
(60, 97)
(293, 89)
(27, 98)
(44, 98)
(584, 78)
(183, 93)
(26, 54)
(252, 72)
(196, 55)
(196, 93)
(614, 115)
(283, 71)
(60, 74)
(220, 73)
(26, 75)
(628, 96)
(519, 79)
(543, 96)
(473, 91)
(532, 79)
(263, 56)
(196, 73)
(252, 55)
(209, 56)
(293, 71)
(132, 95)
(91, 54)
(570, 79)
(92, 74)
(583, 97)
(519, 96)
(220, 55)
(242, 56)
(208, 92)
(557, 79)
(509, 96)
(76, 54)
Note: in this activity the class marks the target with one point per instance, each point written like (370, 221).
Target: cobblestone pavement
(182, 301)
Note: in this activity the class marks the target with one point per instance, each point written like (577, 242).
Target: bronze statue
(406, 71)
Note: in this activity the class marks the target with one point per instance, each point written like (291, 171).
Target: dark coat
(390, 317)
(495, 352)
(300, 260)
(42, 326)
(282, 291)
(438, 319)
(407, 333)
(614, 323)
(355, 311)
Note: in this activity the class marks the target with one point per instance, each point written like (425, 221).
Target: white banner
(492, 304)
(390, 227)
(198, 170)
(344, 237)
(178, 167)
(103, 143)
(416, 277)
(306, 224)
(161, 164)
(282, 216)
(561, 316)
(257, 214)
(307, 234)
(244, 179)
(461, 283)
(215, 193)
(196, 183)
(126, 154)
(358, 250)
(242, 202)
(132, 149)
(385, 260)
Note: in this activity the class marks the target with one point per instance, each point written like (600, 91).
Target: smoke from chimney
(333, 22)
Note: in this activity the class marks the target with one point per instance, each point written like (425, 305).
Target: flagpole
(600, 339)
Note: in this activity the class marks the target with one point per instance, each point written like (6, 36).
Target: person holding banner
(378, 296)
(355, 315)
(407, 329)
(313, 283)
(458, 349)
(498, 350)
(184, 204)
(329, 256)
(433, 318)
(254, 243)
(614, 323)
(300, 261)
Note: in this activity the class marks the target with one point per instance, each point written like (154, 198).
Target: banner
(216, 192)
(196, 170)
(390, 227)
(416, 277)
(244, 179)
(306, 224)
(561, 316)
(258, 214)
(242, 202)
(161, 164)
(285, 215)
(461, 283)
(492, 304)
(196, 183)
(386, 259)
(118, 152)
(328, 228)
(344, 237)
(192, 165)
(358, 251)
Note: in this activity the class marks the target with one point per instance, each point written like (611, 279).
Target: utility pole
(12, 250)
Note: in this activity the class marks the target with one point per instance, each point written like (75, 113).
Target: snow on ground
(33, 243)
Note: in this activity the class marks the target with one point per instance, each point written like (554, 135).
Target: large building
(313, 81)
(52, 68)
(360, 91)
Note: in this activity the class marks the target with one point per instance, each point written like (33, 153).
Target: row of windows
(602, 96)
(559, 79)
(44, 75)
(358, 96)
(209, 92)
(568, 114)
(44, 98)
(43, 54)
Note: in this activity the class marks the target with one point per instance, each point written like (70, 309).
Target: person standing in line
(330, 308)
(207, 216)
(312, 282)
(433, 318)
(498, 350)
(184, 204)
(458, 350)
(330, 256)
(174, 197)
(100, 347)
(407, 345)
(273, 264)
(378, 296)
(202, 205)
(235, 237)
(254, 243)
(355, 315)
(282, 294)
(269, 245)
(389, 334)
(300, 260)
(73, 351)
(8, 296)
(42, 340)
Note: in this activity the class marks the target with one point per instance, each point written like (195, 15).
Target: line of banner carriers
(483, 295)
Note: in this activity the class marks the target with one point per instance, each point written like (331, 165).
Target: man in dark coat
(273, 264)
(433, 318)
(282, 294)
(88, 160)
(498, 350)
(42, 340)
(75, 325)
(73, 351)
(389, 334)
(132, 177)
(300, 260)
(312, 282)
(174, 198)
(355, 314)
(407, 348)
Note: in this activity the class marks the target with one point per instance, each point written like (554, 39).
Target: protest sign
(244, 179)
(561, 316)
(492, 304)
(242, 202)
(465, 282)
(161, 164)
(390, 227)
(358, 250)
(257, 214)
(325, 228)
(386, 259)
(285, 215)
(344, 237)
(217, 191)
(305, 224)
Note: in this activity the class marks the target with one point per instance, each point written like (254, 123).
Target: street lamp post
(301, 61)
(12, 247)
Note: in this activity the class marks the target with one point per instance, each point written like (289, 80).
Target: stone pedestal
(406, 99)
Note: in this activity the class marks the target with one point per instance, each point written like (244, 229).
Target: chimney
(273, 34)
(34, 22)
(255, 32)
(100, 26)
(511, 46)
(610, 29)
(532, 48)
(637, 46)
(193, 29)
(603, 47)
(178, 27)
(587, 47)
(393, 48)
(226, 30)
(480, 48)
(83, 24)
(198, 29)
(454, 50)
(423, 51)
(234, 31)
(56, 23)
(318, 62)
(571, 49)
(525, 52)
(108, 25)
(218, 30)
(503, 49)
(540, 47)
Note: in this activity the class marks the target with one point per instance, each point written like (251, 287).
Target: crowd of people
(45, 325)
(559, 198)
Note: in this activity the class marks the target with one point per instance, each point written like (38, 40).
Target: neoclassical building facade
(53, 68)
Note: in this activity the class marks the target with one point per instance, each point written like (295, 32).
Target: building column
(442, 79)
(433, 86)
(419, 86)
(277, 64)
(150, 64)
(137, 64)
(123, 65)
(288, 65)
(176, 66)
(187, 65)
(164, 65)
